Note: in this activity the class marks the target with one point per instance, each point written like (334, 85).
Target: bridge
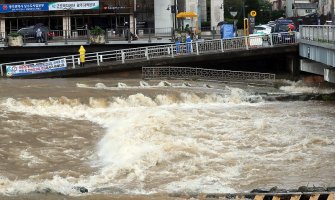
(317, 48)
(184, 54)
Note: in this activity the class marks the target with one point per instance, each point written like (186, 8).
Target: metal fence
(318, 33)
(168, 51)
(202, 74)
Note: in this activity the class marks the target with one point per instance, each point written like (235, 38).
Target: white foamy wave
(164, 84)
(100, 86)
(144, 84)
(122, 85)
(80, 85)
(299, 87)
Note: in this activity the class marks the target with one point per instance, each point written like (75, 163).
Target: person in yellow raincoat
(82, 52)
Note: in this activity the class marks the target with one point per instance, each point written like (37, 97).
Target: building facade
(108, 14)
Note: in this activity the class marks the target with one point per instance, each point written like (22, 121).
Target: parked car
(262, 29)
(30, 32)
(281, 33)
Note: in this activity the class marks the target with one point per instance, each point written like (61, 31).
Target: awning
(186, 14)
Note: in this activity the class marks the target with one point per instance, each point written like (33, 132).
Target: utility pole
(332, 11)
(243, 9)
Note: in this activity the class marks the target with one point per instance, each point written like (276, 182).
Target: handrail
(170, 50)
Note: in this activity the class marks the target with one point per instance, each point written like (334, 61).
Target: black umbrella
(221, 23)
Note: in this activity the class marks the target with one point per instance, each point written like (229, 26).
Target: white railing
(169, 50)
(318, 33)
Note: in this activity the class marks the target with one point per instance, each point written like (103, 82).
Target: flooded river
(129, 137)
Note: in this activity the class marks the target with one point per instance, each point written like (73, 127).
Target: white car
(262, 29)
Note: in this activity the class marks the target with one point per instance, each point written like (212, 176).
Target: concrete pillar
(163, 17)
(2, 28)
(66, 26)
(293, 66)
(216, 13)
(192, 6)
(329, 75)
(289, 10)
(203, 8)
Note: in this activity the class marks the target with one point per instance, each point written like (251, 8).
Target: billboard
(23, 7)
(74, 5)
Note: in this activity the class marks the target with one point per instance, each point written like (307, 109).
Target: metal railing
(167, 51)
(318, 33)
(202, 74)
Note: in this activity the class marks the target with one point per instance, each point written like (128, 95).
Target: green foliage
(205, 24)
(14, 34)
(97, 30)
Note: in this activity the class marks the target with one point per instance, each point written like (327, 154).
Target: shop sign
(23, 7)
(20, 70)
(74, 5)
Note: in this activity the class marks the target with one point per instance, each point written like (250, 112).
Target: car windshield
(283, 27)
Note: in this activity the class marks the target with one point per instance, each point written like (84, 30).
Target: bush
(14, 34)
(97, 30)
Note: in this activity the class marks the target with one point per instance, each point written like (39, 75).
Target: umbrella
(291, 26)
(221, 23)
(186, 14)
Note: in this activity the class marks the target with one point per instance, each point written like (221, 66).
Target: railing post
(147, 53)
(46, 38)
(149, 35)
(271, 40)
(106, 36)
(122, 56)
(168, 50)
(246, 42)
(222, 45)
(66, 34)
(172, 54)
(73, 62)
(88, 36)
(1, 70)
(98, 62)
(197, 47)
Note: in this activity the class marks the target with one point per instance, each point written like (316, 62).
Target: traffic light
(173, 8)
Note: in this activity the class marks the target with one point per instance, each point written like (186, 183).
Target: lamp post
(174, 17)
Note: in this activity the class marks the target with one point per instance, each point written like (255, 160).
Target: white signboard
(74, 5)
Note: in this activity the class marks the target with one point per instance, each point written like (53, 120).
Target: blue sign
(227, 31)
(23, 7)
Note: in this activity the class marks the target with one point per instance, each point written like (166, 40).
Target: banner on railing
(21, 70)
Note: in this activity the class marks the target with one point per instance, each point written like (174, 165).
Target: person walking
(39, 35)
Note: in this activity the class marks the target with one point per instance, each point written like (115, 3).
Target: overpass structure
(317, 48)
(160, 55)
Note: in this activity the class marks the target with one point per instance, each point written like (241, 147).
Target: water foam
(299, 87)
(139, 140)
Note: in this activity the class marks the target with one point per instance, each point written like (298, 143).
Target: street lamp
(173, 9)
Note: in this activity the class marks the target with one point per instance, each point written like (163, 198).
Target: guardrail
(171, 50)
(318, 33)
(263, 196)
(202, 74)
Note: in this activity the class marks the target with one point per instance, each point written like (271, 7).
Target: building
(114, 15)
